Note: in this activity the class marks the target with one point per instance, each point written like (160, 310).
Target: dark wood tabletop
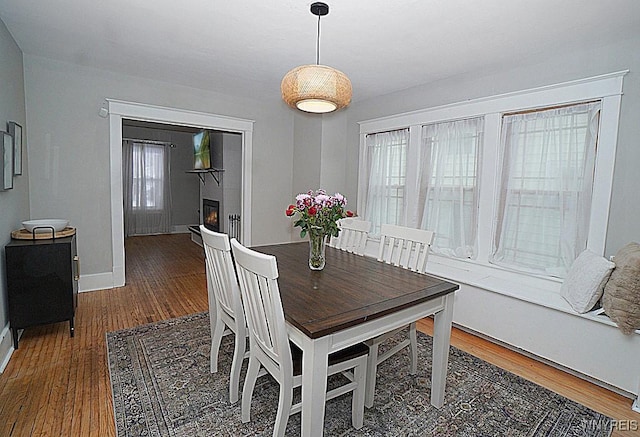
(351, 289)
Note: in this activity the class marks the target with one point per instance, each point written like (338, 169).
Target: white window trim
(607, 88)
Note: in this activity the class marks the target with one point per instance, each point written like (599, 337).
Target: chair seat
(357, 350)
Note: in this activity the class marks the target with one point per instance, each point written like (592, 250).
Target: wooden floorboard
(55, 385)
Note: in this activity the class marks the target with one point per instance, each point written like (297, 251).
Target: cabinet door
(40, 284)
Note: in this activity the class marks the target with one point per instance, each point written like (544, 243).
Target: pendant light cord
(318, 44)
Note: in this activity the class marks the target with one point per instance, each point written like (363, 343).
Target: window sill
(536, 290)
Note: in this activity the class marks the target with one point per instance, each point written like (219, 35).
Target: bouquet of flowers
(319, 211)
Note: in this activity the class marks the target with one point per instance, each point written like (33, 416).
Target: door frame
(119, 110)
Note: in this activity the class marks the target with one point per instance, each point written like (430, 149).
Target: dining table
(354, 298)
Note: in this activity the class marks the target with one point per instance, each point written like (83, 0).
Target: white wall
(591, 348)
(14, 203)
(70, 149)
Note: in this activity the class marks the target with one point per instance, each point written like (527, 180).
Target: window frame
(607, 88)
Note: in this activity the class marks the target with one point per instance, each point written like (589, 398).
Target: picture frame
(15, 130)
(7, 161)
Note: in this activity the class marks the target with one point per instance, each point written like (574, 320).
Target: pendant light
(316, 88)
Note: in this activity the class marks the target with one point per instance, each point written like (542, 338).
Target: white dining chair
(225, 305)
(408, 248)
(353, 235)
(271, 349)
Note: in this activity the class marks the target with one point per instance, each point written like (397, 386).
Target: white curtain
(385, 154)
(449, 164)
(547, 179)
(147, 188)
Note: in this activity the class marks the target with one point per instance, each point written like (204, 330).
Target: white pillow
(585, 281)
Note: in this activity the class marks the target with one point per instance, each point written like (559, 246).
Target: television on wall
(202, 150)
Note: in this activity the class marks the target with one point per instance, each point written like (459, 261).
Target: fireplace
(211, 214)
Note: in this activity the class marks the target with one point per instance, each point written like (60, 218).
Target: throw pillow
(585, 281)
(621, 299)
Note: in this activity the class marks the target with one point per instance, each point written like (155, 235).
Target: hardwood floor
(59, 386)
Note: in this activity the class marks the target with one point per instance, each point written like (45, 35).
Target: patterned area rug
(162, 387)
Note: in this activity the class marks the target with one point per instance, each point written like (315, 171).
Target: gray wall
(210, 189)
(232, 176)
(228, 149)
(592, 61)
(14, 203)
(185, 188)
(70, 149)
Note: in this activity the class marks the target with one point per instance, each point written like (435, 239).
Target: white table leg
(314, 385)
(441, 339)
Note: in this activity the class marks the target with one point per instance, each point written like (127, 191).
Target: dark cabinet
(42, 282)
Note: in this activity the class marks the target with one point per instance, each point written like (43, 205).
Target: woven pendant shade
(316, 88)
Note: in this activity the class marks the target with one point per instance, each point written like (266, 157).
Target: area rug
(162, 386)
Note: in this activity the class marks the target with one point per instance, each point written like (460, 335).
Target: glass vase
(316, 248)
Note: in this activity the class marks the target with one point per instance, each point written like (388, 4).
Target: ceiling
(244, 47)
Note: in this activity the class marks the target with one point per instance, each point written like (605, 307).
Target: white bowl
(45, 225)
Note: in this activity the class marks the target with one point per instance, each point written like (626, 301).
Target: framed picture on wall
(7, 161)
(15, 130)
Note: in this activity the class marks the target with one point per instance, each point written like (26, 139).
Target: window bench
(528, 314)
(546, 297)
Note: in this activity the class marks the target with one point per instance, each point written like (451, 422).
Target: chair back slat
(222, 285)
(405, 247)
(353, 235)
(258, 277)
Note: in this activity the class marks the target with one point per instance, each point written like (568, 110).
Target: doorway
(119, 110)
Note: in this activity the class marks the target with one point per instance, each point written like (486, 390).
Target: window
(513, 184)
(545, 195)
(448, 196)
(146, 182)
(148, 176)
(386, 155)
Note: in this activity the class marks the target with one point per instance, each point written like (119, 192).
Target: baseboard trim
(99, 281)
(6, 347)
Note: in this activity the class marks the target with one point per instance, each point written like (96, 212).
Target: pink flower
(316, 209)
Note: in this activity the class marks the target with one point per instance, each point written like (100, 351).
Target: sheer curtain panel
(147, 188)
(386, 154)
(448, 200)
(546, 188)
